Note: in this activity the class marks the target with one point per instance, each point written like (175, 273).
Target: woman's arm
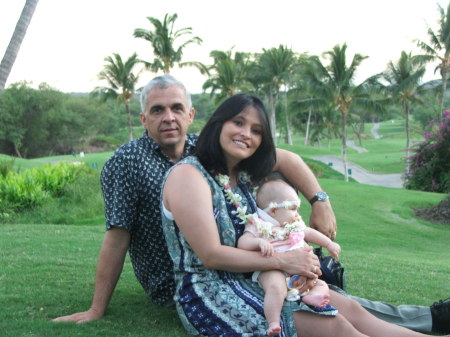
(188, 196)
(295, 170)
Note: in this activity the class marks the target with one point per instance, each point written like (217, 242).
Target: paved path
(351, 143)
(361, 175)
(374, 131)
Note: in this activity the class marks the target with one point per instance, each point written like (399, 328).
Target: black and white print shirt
(131, 184)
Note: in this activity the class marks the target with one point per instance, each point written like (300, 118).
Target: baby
(278, 227)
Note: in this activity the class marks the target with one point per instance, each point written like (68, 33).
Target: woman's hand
(310, 283)
(300, 261)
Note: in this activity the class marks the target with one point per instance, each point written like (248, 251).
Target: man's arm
(109, 267)
(297, 172)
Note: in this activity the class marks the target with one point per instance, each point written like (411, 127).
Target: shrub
(5, 167)
(33, 187)
(430, 163)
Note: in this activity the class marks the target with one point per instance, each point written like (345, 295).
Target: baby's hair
(272, 189)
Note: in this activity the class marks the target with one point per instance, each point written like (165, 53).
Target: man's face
(167, 116)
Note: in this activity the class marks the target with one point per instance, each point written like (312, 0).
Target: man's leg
(413, 317)
(433, 319)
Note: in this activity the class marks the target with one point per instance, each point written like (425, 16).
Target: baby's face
(288, 215)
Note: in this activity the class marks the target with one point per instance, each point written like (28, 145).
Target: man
(131, 185)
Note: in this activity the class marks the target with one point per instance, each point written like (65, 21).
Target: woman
(206, 202)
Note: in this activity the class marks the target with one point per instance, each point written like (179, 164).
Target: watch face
(322, 196)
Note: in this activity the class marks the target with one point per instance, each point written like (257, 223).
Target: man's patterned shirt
(131, 184)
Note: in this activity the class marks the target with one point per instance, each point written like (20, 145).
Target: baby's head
(279, 200)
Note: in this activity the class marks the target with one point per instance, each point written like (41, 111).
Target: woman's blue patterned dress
(217, 303)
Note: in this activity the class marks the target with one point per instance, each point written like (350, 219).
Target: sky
(67, 40)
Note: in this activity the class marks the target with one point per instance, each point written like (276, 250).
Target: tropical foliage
(274, 70)
(430, 163)
(403, 79)
(32, 188)
(121, 82)
(312, 95)
(43, 121)
(438, 49)
(163, 38)
(228, 74)
(334, 84)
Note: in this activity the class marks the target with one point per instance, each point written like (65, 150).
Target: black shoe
(440, 314)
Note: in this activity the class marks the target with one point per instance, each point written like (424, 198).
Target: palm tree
(162, 39)
(228, 74)
(121, 82)
(16, 40)
(403, 80)
(274, 69)
(439, 49)
(335, 84)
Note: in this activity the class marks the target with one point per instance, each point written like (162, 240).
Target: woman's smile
(241, 136)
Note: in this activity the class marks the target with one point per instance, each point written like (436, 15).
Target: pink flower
(296, 237)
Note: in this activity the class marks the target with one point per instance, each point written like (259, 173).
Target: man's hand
(109, 267)
(323, 219)
(301, 261)
(80, 317)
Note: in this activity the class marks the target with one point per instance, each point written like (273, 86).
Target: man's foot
(274, 329)
(440, 314)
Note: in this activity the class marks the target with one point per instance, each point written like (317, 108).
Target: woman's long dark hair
(210, 153)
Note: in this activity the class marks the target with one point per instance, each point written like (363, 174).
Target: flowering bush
(430, 163)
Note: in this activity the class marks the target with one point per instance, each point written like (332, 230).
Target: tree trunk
(307, 126)
(16, 150)
(407, 112)
(130, 126)
(360, 131)
(344, 144)
(272, 118)
(444, 72)
(288, 127)
(16, 40)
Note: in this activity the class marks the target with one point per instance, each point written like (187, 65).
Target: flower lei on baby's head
(224, 181)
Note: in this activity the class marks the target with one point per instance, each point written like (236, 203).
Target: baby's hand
(265, 247)
(334, 249)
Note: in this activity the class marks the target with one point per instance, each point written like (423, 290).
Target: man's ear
(192, 115)
(142, 118)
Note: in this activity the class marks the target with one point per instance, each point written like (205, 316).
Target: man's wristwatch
(320, 196)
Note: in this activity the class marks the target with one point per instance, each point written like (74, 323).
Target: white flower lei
(224, 181)
(282, 234)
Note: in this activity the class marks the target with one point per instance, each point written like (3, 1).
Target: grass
(384, 156)
(47, 270)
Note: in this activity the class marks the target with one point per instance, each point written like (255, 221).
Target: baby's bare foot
(274, 329)
(316, 300)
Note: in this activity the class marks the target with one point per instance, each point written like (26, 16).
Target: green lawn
(384, 156)
(47, 270)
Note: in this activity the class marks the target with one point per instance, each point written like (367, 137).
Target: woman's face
(241, 136)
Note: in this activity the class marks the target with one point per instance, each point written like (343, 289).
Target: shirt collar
(189, 145)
